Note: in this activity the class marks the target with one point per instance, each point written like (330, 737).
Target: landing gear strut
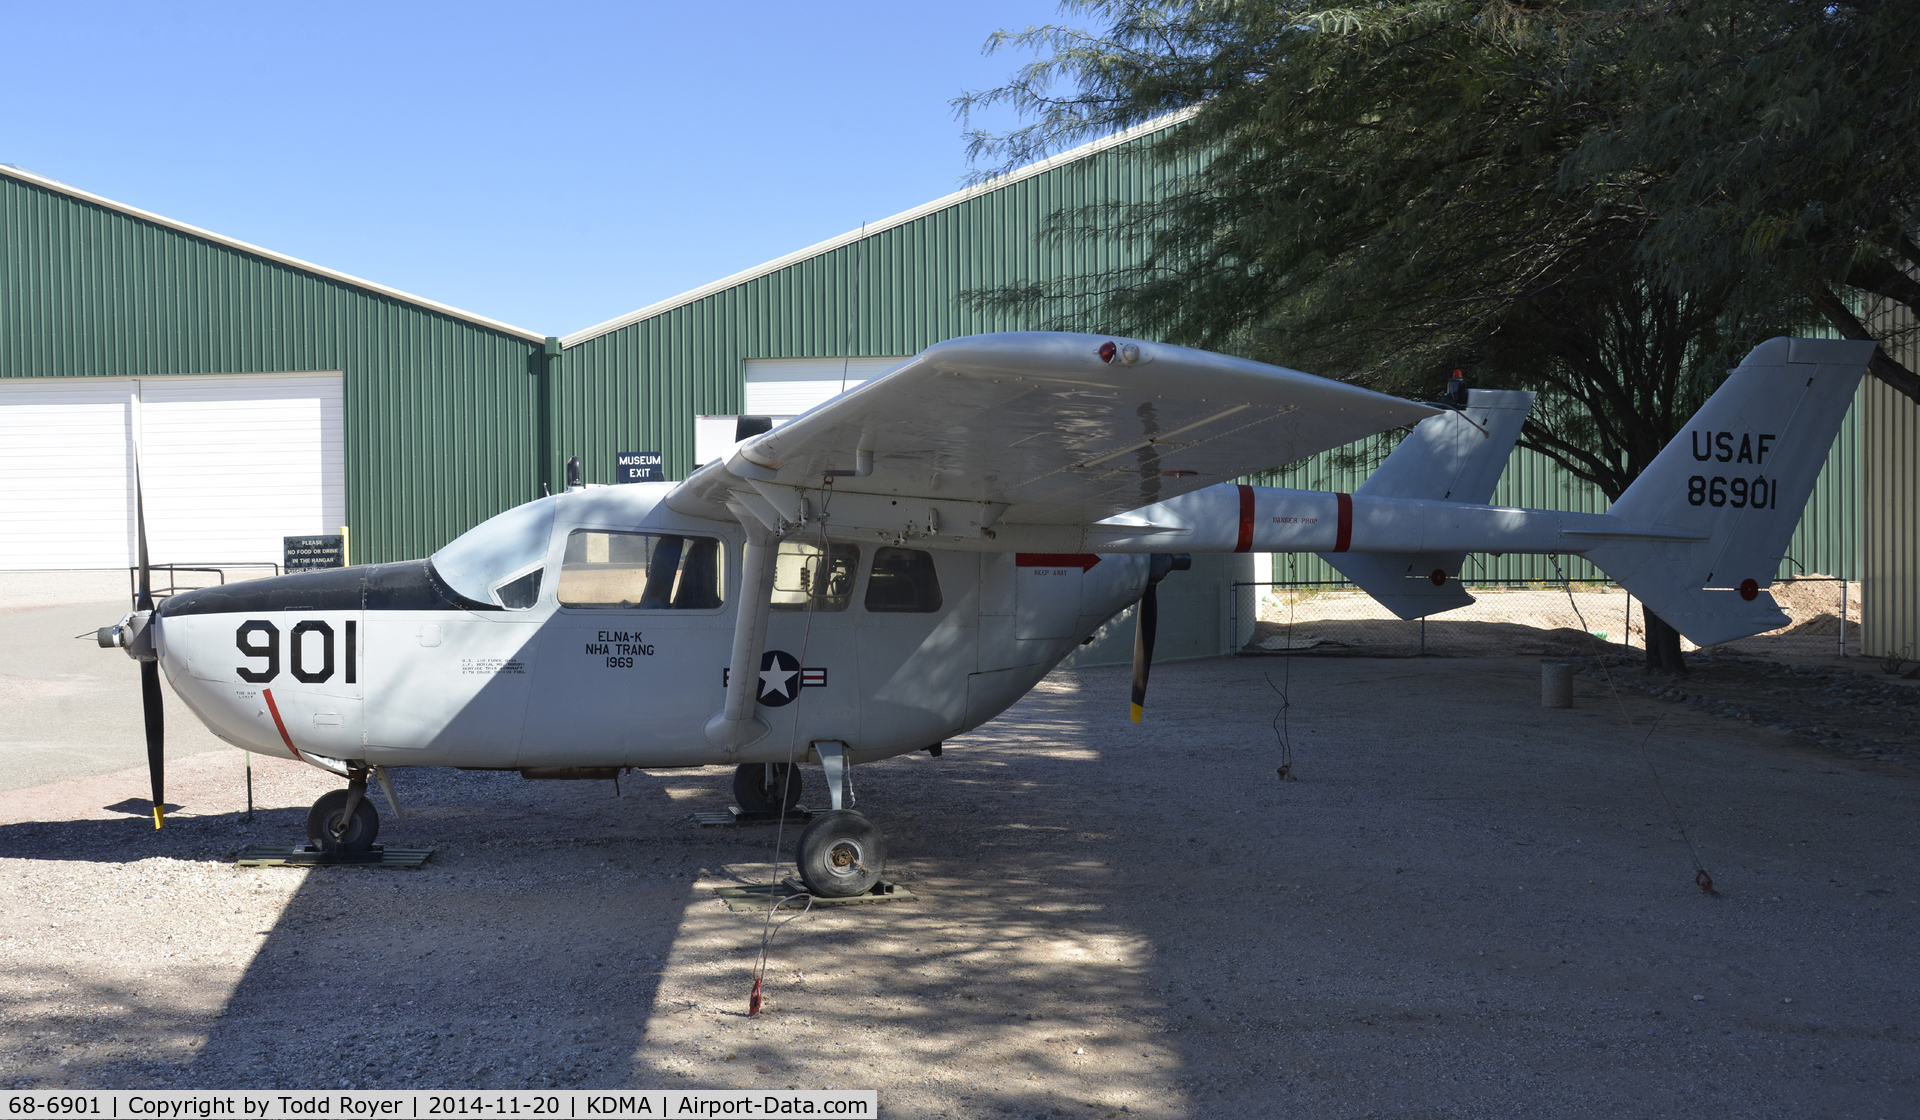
(343, 820)
(766, 787)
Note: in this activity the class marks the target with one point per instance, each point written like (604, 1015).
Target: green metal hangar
(273, 397)
(777, 339)
(270, 397)
(783, 336)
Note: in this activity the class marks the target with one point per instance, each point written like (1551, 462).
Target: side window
(806, 577)
(641, 571)
(903, 582)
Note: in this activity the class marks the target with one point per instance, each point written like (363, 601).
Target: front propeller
(1147, 623)
(150, 664)
(134, 634)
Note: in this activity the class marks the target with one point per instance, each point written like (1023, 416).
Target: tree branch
(1882, 365)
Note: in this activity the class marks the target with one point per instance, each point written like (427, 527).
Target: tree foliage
(1770, 146)
(1607, 201)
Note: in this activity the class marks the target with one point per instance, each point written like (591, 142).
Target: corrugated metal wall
(441, 413)
(1890, 509)
(896, 291)
(446, 418)
(901, 290)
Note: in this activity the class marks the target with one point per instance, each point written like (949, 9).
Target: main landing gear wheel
(841, 854)
(761, 787)
(332, 831)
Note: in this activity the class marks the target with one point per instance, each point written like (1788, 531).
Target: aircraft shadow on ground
(1110, 915)
(131, 838)
(533, 949)
(554, 940)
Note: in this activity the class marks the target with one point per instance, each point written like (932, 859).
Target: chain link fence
(1333, 617)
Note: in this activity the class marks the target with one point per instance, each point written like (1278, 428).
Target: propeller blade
(143, 594)
(149, 670)
(156, 737)
(1147, 623)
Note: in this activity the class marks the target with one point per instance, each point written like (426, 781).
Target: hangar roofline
(39, 180)
(873, 228)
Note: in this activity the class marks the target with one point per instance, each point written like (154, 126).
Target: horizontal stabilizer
(1403, 582)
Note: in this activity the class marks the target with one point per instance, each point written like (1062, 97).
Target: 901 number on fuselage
(259, 640)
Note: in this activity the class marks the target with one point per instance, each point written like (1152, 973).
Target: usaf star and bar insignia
(781, 678)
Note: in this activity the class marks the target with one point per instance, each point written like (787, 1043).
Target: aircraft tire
(325, 816)
(755, 794)
(841, 854)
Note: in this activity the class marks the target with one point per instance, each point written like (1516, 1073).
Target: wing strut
(738, 724)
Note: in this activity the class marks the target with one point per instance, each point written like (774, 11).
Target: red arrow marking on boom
(1081, 560)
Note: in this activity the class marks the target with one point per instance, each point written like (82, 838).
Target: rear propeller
(1147, 623)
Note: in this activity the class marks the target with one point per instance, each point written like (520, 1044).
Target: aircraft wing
(990, 433)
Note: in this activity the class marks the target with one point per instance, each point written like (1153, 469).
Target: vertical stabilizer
(1739, 474)
(1455, 456)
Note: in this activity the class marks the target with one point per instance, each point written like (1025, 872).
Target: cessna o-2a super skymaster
(904, 562)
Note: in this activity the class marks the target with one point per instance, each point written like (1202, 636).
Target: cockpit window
(521, 593)
(500, 559)
(805, 577)
(611, 570)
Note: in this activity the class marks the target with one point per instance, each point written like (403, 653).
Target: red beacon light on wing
(1126, 353)
(1107, 351)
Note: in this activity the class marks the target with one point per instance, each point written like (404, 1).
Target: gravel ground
(1844, 706)
(1466, 906)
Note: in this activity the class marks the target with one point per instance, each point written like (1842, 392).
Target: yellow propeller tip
(1136, 710)
(159, 816)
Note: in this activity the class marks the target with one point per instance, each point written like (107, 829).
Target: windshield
(498, 560)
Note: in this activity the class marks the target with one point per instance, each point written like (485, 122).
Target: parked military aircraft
(905, 561)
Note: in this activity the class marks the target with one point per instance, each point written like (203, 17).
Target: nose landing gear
(343, 820)
(766, 787)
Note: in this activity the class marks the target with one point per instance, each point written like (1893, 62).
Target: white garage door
(790, 386)
(231, 464)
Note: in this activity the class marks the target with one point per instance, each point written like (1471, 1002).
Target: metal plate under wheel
(736, 815)
(376, 856)
(790, 895)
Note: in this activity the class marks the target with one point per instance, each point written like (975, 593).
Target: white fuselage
(417, 674)
(567, 686)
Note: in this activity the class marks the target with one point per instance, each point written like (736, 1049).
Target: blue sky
(552, 166)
